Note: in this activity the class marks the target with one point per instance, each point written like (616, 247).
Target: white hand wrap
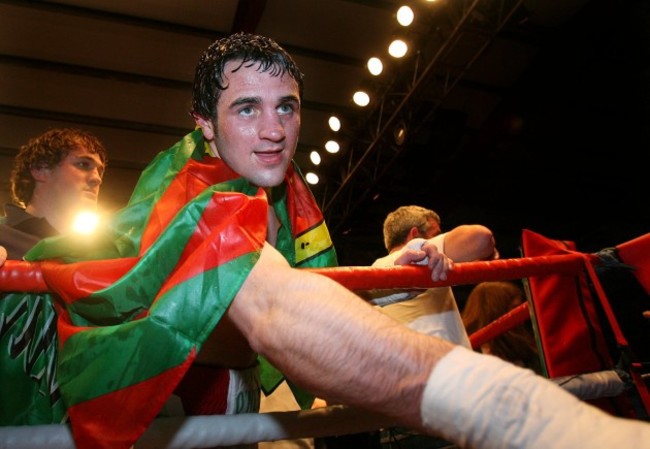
(479, 401)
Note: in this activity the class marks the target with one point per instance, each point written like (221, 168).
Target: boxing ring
(585, 346)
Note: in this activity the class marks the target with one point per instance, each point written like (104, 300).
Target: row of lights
(398, 48)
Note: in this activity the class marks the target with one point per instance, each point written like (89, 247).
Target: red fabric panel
(193, 178)
(79, 280)
(568, 326)
(155, 392)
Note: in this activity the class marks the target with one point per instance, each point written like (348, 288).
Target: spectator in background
(54, 176)
(333, 345)
(490, 300)
(433, 311)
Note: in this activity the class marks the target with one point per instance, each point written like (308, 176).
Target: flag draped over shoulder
(135, 305)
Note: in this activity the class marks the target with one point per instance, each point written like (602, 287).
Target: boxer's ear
(207, 127)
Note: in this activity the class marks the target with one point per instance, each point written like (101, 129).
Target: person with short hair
(431, 311)
(407, 222)
(229, 288)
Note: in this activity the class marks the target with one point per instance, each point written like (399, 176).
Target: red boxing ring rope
(415, 276)
(28, 277)
(19, 276)
(501, 325)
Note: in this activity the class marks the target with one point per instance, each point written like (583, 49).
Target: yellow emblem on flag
(312, 242)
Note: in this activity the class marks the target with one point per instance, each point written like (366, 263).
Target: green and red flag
(135, 305)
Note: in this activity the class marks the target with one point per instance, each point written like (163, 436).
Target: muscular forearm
(337, 346)
(332, 343)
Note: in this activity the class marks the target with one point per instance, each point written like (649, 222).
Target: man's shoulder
(20, 225)
(14, 214)
(16, 242)
(386, 261)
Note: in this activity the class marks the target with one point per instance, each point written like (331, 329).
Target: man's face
(74, 183)
(257, 125)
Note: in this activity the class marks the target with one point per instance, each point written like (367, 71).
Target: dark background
(544, 127)
(561, 155)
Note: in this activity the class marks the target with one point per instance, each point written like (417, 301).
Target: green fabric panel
(118, 356)
(29, 392)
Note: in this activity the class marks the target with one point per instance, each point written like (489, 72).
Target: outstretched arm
(334, 344)
(340, 348)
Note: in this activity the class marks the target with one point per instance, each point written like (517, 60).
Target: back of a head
(46, 151)
(249, 50)
(488, 301)
(399, 222)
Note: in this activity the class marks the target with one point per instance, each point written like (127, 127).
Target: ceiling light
(332, 146)
(375, 66)
(399, 133)
(312, 178)
(315, 157)
(397, 48)
(335, 123)
(405, 16)
(361, 98)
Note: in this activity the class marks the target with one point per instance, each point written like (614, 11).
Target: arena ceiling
(518, 113)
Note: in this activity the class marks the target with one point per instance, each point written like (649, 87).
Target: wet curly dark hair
(251, 50)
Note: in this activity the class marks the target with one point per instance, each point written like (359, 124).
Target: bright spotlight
(375, 66)
(312, 178)
(405, 16)
(332, 146)
(315, 157)
(397, 48)
(335, 123)
(361, 98)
